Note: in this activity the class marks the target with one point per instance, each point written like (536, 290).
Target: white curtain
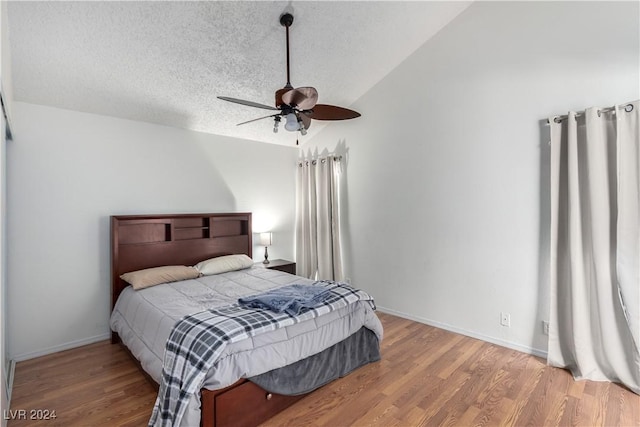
(595, 245)
(318, 246)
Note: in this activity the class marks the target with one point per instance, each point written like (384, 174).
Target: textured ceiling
(165, 62)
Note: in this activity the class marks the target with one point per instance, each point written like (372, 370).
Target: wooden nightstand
(280, 265)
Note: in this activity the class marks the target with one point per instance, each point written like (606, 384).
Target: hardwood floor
(95, 385)
(427, 377)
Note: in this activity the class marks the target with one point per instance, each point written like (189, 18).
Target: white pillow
(157, 275)
(222, 264)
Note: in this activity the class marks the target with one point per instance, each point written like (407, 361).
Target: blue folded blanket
(291, 299)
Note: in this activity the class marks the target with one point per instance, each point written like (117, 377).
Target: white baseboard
(61, 347)
(450, 328)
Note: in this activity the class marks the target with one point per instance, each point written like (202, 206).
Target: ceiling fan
(297, 105)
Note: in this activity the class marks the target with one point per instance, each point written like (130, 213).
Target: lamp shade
(265, 239)
(292, 123)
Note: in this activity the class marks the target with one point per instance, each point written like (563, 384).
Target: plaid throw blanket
(197, 341)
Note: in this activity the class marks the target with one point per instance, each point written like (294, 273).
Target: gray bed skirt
(315, 371)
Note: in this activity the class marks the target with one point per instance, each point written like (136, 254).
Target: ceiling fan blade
(306, 120)
(331, 112)
(259, 118)
(304, 98)
(249, 103)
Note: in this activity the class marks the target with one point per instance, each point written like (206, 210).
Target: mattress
(143, 319)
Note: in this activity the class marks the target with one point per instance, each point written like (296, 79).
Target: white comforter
(143, 319)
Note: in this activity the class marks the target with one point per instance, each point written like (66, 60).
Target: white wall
(447, 167)
(69, 171)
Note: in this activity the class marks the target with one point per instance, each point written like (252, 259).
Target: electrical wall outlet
(545, 327)
(505, 319)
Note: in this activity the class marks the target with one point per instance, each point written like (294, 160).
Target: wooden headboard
(145, 241)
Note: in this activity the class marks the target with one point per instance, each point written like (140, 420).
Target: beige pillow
(154, 276)
(222, 264)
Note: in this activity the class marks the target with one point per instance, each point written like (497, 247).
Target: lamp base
(266, 256)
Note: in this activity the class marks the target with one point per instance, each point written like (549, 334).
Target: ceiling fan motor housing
(279, 94)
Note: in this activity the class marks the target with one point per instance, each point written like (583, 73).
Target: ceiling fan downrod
(286, 19)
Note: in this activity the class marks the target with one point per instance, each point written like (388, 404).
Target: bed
(265, 373)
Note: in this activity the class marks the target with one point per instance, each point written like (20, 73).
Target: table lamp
(265, 240)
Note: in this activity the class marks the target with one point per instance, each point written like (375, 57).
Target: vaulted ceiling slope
(165, 62)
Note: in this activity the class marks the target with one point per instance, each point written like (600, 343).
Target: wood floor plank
(521, 391)
(427, 376)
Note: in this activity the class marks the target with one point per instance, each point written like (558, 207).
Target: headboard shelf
(191, 228)
(146, 241)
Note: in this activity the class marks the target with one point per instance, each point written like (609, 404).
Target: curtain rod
(628, 108)
(314, 161)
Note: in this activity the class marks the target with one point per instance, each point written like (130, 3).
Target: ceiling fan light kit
(292, 123)
(297, 105)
